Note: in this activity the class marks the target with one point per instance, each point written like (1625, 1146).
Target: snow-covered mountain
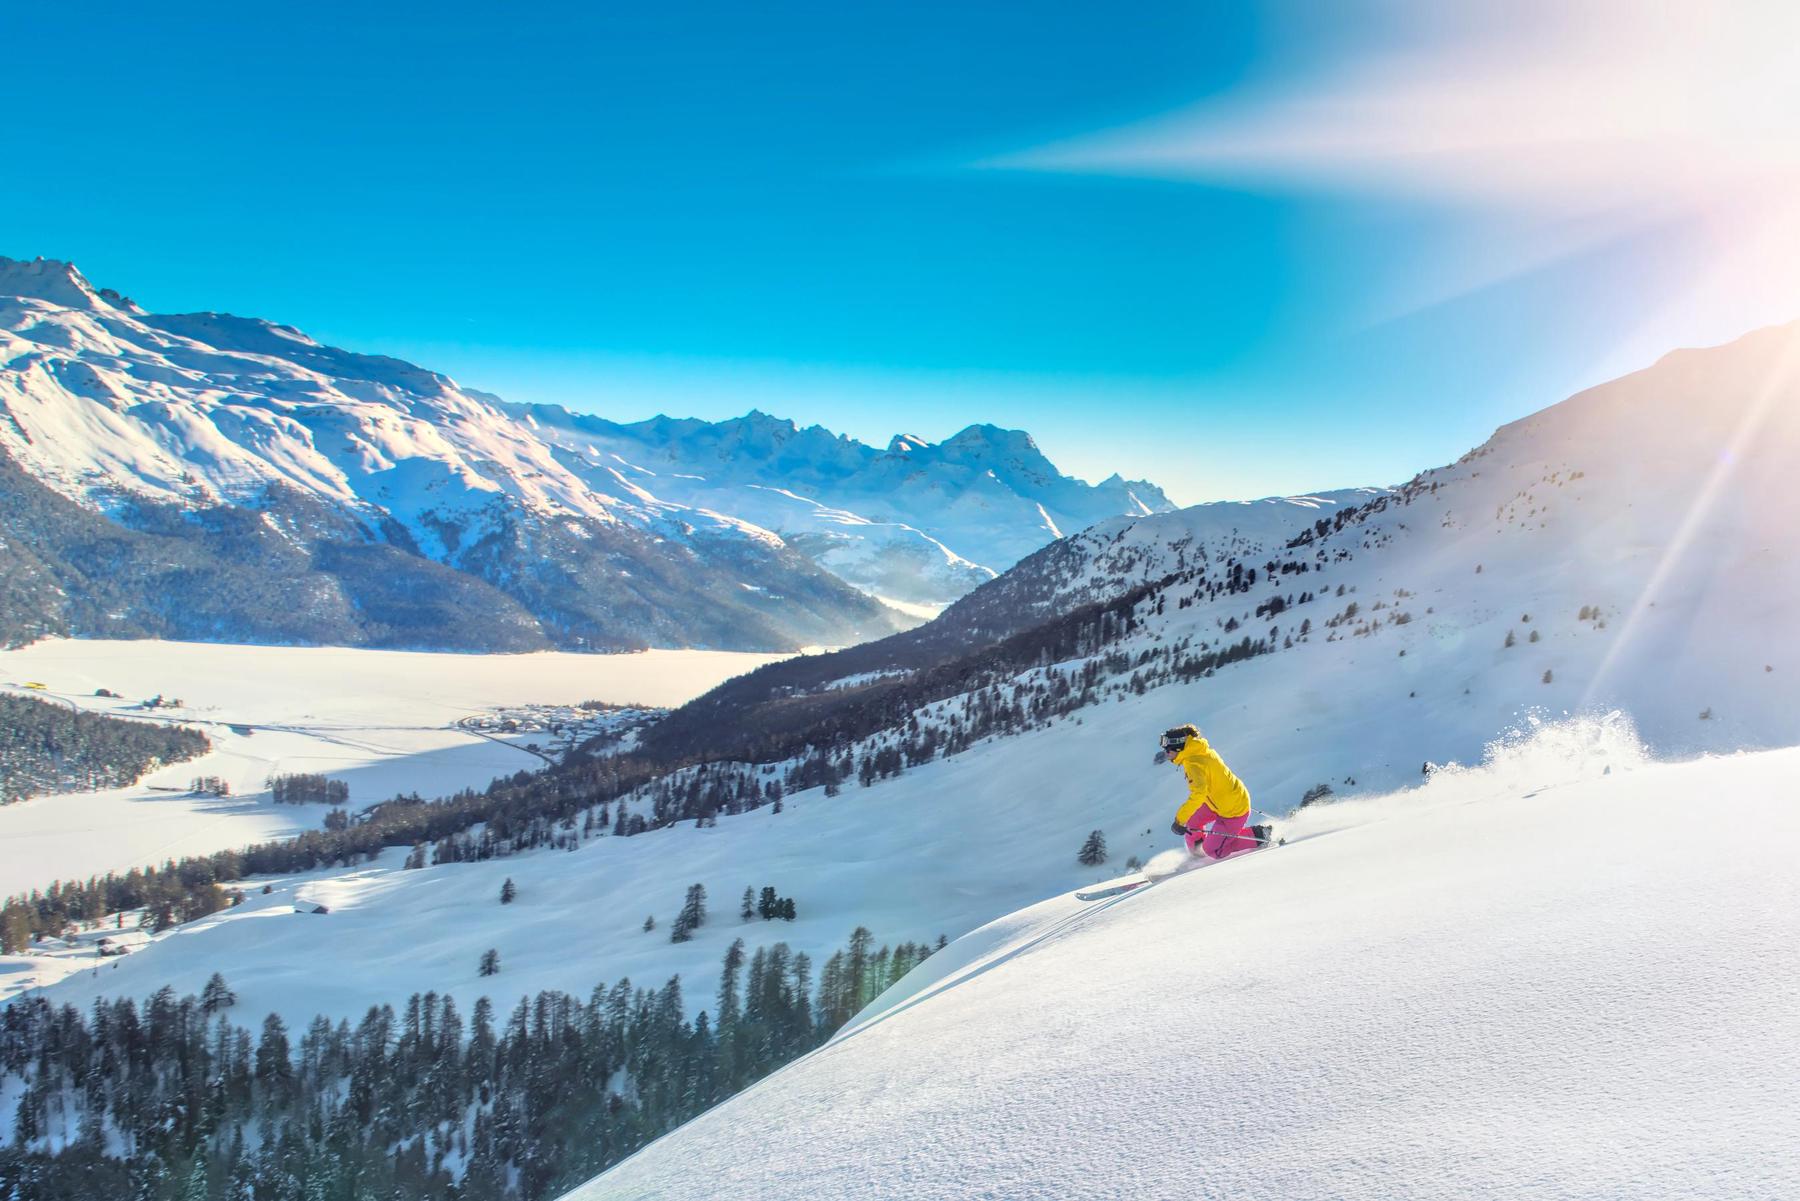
(1603, 555)
(1631, 547)
(919, 522)
(337, 488)
(1602, 585)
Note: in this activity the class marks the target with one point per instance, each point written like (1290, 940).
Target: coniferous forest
(170, 1100)
(48, 748)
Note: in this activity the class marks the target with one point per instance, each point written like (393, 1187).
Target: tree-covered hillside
(49, 748)
(171, 1100)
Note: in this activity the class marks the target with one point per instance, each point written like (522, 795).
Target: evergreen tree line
(46, 748)
(1351, 515)
(166, 898)
(768, 905)
(307, 788)
(170, 1101)
(625, 795)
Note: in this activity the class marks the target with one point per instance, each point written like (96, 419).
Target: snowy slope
(1492, 986)
(1701, 660)
(1635, 544)
(116, 408)
(1642, 531)
(383, 722)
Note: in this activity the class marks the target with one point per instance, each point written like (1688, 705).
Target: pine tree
(787, 909)
(747, 910)
(649, 923)
(15, 929)
(217, 995)
(692, 915)
(508, 891)
(195, 1189)
(1093, 851)
(766, 906)
(856, 969)
(490, 962)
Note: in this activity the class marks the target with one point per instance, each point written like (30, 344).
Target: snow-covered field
(385, 722)
(1566, 974)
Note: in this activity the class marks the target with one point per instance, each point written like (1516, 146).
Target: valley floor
(385, 722)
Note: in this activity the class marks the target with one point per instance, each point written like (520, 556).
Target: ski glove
(1180, 828)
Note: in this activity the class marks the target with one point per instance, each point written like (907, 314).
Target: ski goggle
(1172, 742)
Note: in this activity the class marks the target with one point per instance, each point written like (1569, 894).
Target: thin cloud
(1617, 108)
(1552, 129)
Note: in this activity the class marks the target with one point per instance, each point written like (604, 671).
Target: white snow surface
(1567, 974)
(384, 722)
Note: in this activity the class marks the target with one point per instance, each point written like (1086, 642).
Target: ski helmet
(1177, 737)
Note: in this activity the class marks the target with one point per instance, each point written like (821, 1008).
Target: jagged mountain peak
(758, 419)
(983, 438)
(58, 282)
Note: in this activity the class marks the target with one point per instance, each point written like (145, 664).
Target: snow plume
(1536, 755)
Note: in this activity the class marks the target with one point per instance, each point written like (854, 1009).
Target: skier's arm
(1196, 795)
(1188, 808)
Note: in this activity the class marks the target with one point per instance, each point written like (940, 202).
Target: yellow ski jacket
(1210, 782)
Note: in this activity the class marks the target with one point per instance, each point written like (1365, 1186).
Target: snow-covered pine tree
(1093, 851)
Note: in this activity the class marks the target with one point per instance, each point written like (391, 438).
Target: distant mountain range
(225, 478)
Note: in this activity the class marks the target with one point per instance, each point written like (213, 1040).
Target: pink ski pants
(1226, 837)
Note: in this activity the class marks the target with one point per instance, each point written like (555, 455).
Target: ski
(1111, 890)
(1263, 834)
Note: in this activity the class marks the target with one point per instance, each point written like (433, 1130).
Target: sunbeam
(1755, 419)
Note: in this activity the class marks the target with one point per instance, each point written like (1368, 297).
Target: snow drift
(1567, 973)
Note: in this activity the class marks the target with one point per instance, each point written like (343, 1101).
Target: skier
(1216, 799)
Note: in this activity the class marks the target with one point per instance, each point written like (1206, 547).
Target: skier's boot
(1265, 835)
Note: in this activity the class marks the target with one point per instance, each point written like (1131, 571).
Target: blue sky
(881, 218)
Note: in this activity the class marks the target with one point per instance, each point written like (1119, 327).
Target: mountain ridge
(604, 534)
